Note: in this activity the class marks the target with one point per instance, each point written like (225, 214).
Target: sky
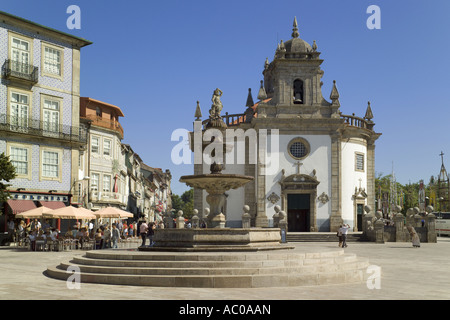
(155, 59)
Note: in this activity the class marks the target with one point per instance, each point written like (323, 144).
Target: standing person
(143, 232)
(151, 232)
(107, 238)
(115, 235)
(339, 234)
(344, 230)
(414, 237)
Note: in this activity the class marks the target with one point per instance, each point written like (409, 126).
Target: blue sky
(155, 59)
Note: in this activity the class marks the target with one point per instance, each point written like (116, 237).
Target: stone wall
(375, 230)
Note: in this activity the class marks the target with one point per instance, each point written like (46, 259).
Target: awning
(52, 204)
(18, 206)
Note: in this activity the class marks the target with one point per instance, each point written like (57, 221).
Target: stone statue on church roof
(217, 106)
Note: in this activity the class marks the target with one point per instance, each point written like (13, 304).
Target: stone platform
(281, 268)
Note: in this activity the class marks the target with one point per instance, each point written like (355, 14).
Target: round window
(298, 148)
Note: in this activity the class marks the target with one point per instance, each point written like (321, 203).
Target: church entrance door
(298, 212)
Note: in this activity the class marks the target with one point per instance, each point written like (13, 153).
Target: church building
(325, 172)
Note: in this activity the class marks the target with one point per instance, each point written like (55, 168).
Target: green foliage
(185, 202)
(7, 173)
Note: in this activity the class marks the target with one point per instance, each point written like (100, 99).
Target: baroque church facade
(325, 161)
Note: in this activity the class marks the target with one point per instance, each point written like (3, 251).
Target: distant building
(39, 112)
(104, 160)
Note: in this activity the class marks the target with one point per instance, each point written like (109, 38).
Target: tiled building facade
(39, 111)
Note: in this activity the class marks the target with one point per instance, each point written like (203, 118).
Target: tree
(7, 173)
(185, 202)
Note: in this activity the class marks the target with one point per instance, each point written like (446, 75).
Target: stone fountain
(217, 237)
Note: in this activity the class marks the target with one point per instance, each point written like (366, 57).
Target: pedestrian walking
(151, 232)
(344, 230)
(143, 228)
(339, 235)
(415, 240)
(115, 236)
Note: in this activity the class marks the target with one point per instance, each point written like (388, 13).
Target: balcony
(39, 128)
(105, 123)
(24, 72)
(107, 197)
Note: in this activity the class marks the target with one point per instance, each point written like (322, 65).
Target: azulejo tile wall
(60, 88)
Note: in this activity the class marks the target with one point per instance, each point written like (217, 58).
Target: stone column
(180, 220)
(261, 220)
(379, 231)
(246, 218)
(195, 219)
(336, 214)
(430, 223)
(399, 221)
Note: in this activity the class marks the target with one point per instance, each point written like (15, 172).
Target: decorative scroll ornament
(274, 198)
(323, 198)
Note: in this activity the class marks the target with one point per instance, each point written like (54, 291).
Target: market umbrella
(34, 213)
(69, 212)
(112, 212)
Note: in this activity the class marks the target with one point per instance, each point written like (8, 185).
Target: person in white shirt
(343, 230)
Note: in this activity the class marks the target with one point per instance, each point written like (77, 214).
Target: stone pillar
(410, 217)
(180, 220)
(195, 219)
(168, 222)
(379, 231)
(261, 220)
(336, 213)
(246, 218)
(399, 221)
(430, 223)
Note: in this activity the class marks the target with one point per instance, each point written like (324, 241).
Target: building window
(359, 161)
(52, 61)
(19, 110)
(107, 147)
(95, 145)
(98, 112)
(19, 159)
(20, 55)
(298, 148)
(95, 177)
(51, 115)
(106, 183)
(50, 164)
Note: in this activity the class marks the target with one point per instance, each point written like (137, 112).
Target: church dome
(297, 45)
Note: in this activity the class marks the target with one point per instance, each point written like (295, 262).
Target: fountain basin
(217, 239)
(216, 183)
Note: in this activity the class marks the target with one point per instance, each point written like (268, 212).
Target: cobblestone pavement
(407, 273)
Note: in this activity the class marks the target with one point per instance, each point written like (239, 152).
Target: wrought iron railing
(20, 70)
(39, 128)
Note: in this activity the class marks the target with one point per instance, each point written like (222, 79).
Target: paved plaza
(407, 273)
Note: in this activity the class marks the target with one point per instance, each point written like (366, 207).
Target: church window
(298, 91)
(298, 148)
(359, 161)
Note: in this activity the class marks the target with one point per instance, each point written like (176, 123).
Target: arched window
(298, 91)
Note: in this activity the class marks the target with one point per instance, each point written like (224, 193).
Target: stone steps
(322, 237)
(208, 270)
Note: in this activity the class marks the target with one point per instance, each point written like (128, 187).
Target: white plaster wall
(351, 178)
(319, 159)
